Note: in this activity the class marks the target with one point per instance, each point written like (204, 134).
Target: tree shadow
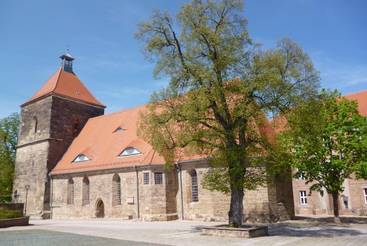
(309, 230)
(348, 220)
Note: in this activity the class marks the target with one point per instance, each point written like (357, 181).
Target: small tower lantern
(67, 62)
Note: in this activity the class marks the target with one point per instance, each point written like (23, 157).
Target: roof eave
(63, 96)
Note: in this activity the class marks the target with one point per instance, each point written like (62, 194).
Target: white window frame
(146, 178)
(126, 151)
(365, 194)
(156, 175)
(81, 158)
(301, 177)
(303, 199)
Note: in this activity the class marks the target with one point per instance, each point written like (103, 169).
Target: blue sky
(100, 34)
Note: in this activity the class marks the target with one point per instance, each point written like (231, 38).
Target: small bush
(8, 214)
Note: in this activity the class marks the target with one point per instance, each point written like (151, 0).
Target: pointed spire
(67, 62)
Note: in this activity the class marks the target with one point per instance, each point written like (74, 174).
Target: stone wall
(152, 201)
(280, 194)
(156, 201)
(31, 170)
(214, 205)
(351, 201)
(47, 128)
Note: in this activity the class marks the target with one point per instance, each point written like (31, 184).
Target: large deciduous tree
(221, 89)
(8, 141)
(326, 142)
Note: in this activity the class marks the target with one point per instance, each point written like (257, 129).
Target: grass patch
(9, 214)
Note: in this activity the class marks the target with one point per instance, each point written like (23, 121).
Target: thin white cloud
(339, 75)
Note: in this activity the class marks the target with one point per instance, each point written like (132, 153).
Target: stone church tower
(50, 121)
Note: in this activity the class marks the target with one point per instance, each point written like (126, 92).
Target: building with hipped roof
(73, 161)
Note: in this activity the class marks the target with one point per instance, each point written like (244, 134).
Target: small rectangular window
(303, 197)
(158, 178)
(146, 178)
(301, 177)
(365, 195)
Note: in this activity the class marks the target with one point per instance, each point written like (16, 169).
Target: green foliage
(221, 88)
(9, 214)
(8, 141)
(326, 141)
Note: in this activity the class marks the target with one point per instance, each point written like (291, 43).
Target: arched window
(194, 186)
(35, 124)
(70, 192)
(130, 151)
(85, 191)
(116, 190)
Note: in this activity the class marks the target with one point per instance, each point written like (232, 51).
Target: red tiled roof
(279, 123)
(100, 141)
(361, 98)
(102, 144)
(68, 85)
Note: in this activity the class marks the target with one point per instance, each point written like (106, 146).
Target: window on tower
(76, 127)
(35, 124)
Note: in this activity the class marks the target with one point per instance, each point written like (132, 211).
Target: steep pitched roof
(279, 123)
(102, 144)
(68, 85)
(100, 141)
(361, 98)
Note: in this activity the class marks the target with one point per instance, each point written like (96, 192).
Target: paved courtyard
(114, 232)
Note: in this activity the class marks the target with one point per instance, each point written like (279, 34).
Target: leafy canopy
(326, 141)
(8, 141)
(222, 87)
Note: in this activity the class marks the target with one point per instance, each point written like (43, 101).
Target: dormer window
(81, 158)
(130, 151)
(119, 129)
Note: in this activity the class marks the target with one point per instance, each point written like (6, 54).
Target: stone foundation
(245, 231)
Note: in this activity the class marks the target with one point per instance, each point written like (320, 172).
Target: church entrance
(99, 209)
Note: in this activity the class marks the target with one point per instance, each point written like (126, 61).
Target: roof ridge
(355, 93)
(142, 106)
(57, 80)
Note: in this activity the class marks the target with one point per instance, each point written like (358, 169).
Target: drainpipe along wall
(179, 167)
(51, 194)
(137, 193)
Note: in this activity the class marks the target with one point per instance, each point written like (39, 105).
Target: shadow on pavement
(292, 230)
(351, 220)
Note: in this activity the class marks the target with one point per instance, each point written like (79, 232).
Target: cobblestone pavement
(185, 233)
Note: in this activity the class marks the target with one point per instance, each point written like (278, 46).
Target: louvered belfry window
(116, 190)
(194, 186)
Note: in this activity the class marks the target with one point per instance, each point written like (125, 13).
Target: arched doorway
(99, 209)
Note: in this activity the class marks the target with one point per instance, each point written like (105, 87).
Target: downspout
(179, 169)
(51, 193)
(137, 192)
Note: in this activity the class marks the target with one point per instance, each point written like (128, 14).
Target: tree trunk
(235, 214)
(336, 207)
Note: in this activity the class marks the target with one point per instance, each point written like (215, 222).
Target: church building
(73, 161)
